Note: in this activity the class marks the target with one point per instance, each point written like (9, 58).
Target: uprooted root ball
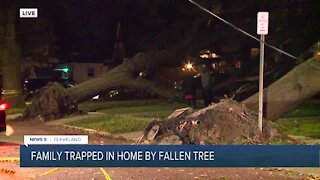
(227, 122)
(51, 102)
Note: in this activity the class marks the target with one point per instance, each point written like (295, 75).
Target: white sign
(262, 23)
(55, 139)
(28, 12)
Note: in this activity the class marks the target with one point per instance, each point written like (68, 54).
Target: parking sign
(262, 23)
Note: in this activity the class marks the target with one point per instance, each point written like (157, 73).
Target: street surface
(9, 147)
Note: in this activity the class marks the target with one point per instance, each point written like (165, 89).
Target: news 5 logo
(28, 12)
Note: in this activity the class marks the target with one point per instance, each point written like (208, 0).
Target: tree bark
(10, 60)
(11, 75)
(126, 75)
(298, 85)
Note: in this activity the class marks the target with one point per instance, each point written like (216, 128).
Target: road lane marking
(106, 175)
(9, 160)
(10, 172)
(50, 172)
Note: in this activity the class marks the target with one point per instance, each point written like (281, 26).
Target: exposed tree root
(51, 102)
(227, 122)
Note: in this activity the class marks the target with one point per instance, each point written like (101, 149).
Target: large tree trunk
(288, 92)
(12, 84)
(126, 75)
(10, 60)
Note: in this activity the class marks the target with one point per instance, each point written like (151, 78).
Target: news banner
(74, 151)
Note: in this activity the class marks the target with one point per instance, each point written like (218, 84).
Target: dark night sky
(86, 30)
(83, 29)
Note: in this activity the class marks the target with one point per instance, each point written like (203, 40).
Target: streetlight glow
(189, 66)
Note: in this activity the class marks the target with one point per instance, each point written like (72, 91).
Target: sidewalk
(132, 136)
(307, 140)
(13, 116)
(129, 136)
(72, 119)
(310, 171)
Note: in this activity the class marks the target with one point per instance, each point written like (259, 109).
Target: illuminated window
(254, 52)
(213, 55)
(215, 65)
(208, 54)
(204, 56)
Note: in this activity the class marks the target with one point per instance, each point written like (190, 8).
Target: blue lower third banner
(169, 156)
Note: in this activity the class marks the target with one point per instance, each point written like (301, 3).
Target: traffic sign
(262, 23)
(262, 30)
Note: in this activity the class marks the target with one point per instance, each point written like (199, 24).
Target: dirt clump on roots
(51, 102)
(227, 122)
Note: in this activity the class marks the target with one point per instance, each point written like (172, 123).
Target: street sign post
(262, 30)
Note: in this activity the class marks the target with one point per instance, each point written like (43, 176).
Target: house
(81, 72)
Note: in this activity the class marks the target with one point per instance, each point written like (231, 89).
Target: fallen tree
(284, 95)
(54, 102)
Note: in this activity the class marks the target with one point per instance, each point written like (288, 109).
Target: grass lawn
(302, 126)
(154, 114)
(303, 121)
(157, 114)
(125, 116)
(14, 111)
(112, 123)
(89, 106)
(305, 110)
(149, 107)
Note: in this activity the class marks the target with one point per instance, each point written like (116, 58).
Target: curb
(294, 171)
(72, 118)
(12, 117)
(95, 132)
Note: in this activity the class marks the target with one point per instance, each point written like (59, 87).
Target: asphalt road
(9, 147)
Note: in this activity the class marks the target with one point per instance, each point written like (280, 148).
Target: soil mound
(227, 122)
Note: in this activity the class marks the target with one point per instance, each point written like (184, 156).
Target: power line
(251, 36)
